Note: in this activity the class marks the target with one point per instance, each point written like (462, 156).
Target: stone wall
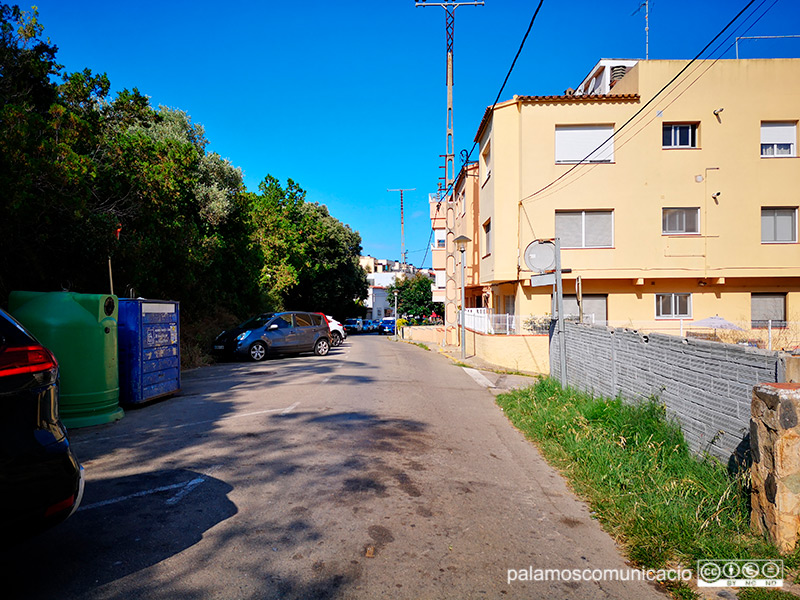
(707, 386)
(775, 450)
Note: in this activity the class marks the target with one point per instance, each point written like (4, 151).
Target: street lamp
(395, 314)
(462, 242)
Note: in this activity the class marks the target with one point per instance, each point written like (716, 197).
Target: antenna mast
(646, 5)
(449, 167)
(403, 252)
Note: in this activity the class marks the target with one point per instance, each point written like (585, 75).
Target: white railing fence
(483, 320)
(771, 335)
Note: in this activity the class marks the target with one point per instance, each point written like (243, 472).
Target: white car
(338, 334)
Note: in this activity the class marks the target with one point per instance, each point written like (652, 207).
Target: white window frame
(439, 235)
(775, 134)
(794, 224)
(575, 144)
(675, 135)
(583, 227)
(683, 212)
(674, 314)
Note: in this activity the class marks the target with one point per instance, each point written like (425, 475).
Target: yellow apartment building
(670, 208)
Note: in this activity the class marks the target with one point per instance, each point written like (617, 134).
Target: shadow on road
(125, 525)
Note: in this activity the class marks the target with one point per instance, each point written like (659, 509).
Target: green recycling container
(81, 331)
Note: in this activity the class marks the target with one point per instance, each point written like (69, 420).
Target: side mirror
(272, 327)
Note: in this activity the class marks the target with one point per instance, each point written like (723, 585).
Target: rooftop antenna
(646, 5)
(402, 225)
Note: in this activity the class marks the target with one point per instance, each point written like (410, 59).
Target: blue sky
(348, 98)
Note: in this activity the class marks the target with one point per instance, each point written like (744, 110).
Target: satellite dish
(540, 256)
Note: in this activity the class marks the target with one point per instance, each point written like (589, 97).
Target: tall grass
(632, 464)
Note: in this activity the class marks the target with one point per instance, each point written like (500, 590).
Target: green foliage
(642, 481)
(414, 297)
(77, 167)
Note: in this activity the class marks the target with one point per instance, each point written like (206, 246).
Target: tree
(415, 297)
(310, 258)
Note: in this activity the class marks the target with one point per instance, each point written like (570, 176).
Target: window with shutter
(585, 228)
(767, 307)
(778, 225)
(778, 138)
(584, 143)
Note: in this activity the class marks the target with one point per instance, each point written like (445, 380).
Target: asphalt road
(379, 471)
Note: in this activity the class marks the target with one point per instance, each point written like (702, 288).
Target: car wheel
(258, 351)
(336, 339)
(322, 347)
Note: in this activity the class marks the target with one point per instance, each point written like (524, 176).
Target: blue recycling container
(149, 349)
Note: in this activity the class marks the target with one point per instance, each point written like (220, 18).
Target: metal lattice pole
(450, 316)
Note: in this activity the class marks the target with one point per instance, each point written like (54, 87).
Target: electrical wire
(494, 104)
(642, 125)
(642, 109)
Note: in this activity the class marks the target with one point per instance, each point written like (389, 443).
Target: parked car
(338, 333)
(354, 325)
(276, 333)
(387, 326)
(41, 481)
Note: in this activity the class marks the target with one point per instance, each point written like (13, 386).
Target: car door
(281, 333)
(306, 331)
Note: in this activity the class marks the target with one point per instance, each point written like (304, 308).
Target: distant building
(381, 274)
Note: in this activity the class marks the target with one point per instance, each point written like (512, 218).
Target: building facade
(668, 210)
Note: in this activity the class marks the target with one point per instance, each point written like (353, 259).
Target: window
(302, 320)
(440, 237)
(487, 238)
(585, 228)
(679, 135)
(680, 220)
(778, 138)
(767, 307)
(584, 143)
(595, 308)
(673, 306)
(283, 321)
(778, 225)
(486, 162)
(508, 303)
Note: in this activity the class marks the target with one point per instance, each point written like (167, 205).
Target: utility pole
(402, 226)
(449, 169)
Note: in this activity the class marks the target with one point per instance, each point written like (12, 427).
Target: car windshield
(351, 321)
(257, 321)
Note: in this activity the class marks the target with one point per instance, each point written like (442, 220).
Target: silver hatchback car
(276, 333)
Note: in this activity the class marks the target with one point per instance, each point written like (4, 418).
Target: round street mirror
(540, 256)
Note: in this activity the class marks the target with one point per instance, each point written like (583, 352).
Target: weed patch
(632, 464)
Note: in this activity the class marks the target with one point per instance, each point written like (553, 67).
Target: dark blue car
(387, 326)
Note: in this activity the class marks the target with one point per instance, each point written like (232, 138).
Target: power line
(641, 110)
(641, 128)
(449, 189)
